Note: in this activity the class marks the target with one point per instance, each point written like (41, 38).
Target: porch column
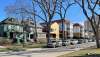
(8, 35)
(25, 39)
(18, 39)
(29, 37)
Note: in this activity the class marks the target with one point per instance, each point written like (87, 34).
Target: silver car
(59, 43)
(68, 42)
(74, 42)
(52, 44)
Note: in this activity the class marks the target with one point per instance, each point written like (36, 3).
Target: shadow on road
(13, 55)
(94, 55)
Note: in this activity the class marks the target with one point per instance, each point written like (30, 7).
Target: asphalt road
(46, 52)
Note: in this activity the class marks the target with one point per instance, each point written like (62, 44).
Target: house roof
(77, 24)
(17, 22)
(60, 21)
(10, 21)
(28, 22)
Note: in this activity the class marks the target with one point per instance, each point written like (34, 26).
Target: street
(46, 52)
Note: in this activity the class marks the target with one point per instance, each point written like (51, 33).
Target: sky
(74, 13)
(3, 4)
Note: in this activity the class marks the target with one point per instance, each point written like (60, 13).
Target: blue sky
(3, 4)
(74, 13)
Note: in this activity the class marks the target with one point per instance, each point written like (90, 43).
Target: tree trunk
(48, 33)
(63, 33)
(36, 35)
(97, 40)
(97, 35)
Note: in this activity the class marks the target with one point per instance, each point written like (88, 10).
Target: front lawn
(35, 46)
(3, 49)
(16, 47)
(83, 53)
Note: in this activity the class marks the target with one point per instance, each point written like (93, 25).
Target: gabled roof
(77, 24)
(60, 21)
(28, 22)
(17, 22)
(10, 21)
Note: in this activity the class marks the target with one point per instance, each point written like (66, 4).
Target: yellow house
(54, 30)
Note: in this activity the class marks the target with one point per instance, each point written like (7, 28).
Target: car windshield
(53, 41)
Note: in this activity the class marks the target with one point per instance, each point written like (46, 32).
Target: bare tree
(35, 22)
(91, 9)
(63, 6)
(47, 8)
(16, 10)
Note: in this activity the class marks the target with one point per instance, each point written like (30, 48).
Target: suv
(51, 45)
(58, 43)
(73, 42)
(68, 42)
(55, 44)
(64, 43)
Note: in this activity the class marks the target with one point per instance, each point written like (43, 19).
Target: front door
(11, 35)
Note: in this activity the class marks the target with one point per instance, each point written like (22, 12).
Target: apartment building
(63, 25)
(78, 31)
(57, 27)
(71, 31)
(88, 32)
(88, 28)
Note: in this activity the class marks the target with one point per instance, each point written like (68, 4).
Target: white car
(52, 44)
(59, 43)
(68, 42)
(74, 41)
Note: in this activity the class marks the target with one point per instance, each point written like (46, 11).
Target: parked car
(80, 41)
(55, 44)
(58, 43)
(73, 42)
(52, 44)
(90, 40)
(64, 43)
(68, 42)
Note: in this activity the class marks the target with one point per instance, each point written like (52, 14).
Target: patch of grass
(5, 42)
(35, 46)
(15, 48)
(83, 53)
(19, 47)
(3, 50)
(31, 45)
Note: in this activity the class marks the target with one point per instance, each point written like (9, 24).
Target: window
(4, 34)
(76, 29)
(51, 30)
(64, 26)
(31, 36)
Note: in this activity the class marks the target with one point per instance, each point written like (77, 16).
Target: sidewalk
(54, 54)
